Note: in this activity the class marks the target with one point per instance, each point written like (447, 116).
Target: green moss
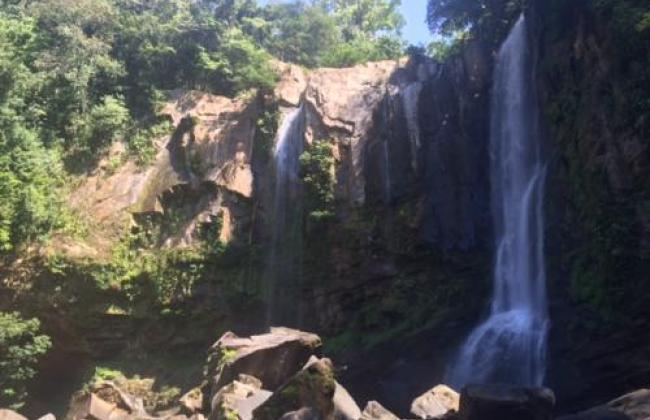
(266, 127)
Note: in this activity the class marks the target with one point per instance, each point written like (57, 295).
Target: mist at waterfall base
(510, 346)
(283, 273)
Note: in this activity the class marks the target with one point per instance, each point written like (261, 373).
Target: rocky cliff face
(407, 239)
(598, 193)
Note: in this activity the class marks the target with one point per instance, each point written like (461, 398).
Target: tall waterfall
(410, 97)
(284, 266)
(510, 346)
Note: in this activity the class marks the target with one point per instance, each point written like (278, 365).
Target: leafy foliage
(317, 164)
(21, 346)
(457, 20)
(334, 33)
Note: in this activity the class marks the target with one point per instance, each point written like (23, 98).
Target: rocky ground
(282, 374)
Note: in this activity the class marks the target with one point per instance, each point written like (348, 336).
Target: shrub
(21, 346)
(316, 170)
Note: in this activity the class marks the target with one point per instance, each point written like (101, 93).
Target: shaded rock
(225, 403)
(91, 407)
(597, 414)
(192, 401)
(306, 413)
(636, 405)
(312, 387)
(10, 415)
(500, 402)
(272, 358)
(375, 411)
(111, 393)
(436, 402)
(632, 406)
(245, 407)
(345, 408)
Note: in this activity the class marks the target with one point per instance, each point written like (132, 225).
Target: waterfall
(284, 265)
(410, 99)
(510, 346)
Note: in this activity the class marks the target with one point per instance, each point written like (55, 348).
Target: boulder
(89, 406)
(10, 415)
(375, 411)
(238, 399)
(635, 405)
(602, 413)
(192, 401)
(435, 403)
(345, 408)
(48, 416)
(112, 393)
(313, 387)
(305, 413)
(632, 406)
(245, 407)
(501, 402)
(273, 358)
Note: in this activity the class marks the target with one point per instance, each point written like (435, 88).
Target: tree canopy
(76, 75)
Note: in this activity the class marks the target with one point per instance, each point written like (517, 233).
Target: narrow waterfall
(284, 265)
(410, 101)
(510, 346)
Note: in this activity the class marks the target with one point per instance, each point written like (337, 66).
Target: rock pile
(282, 375)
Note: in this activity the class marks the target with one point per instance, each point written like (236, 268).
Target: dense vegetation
(21, 345)
(78, 75)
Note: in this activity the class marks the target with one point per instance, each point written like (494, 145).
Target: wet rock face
(454, 121)
(598, 172)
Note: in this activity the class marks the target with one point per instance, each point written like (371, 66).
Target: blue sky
(415, 31)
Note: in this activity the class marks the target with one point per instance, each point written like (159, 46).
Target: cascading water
(410, 99)
(283, 269)
(510, 346)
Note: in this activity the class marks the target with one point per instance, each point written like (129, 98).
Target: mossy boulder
(273, 358)
(312, 388)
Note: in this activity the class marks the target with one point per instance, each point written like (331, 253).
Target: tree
(30, 175)
(300, 33)
(366, 17)
(334, 33)
(21, 346)
(486, 17)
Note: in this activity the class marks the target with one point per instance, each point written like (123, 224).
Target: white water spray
(283, 270)
(510, 346)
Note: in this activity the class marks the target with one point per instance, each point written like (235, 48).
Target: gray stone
(436, 402)
(10, 415)
(305, 413)
(636, 405)
(345, 408)
(375, 411)
(273, 358)
(246, 406)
